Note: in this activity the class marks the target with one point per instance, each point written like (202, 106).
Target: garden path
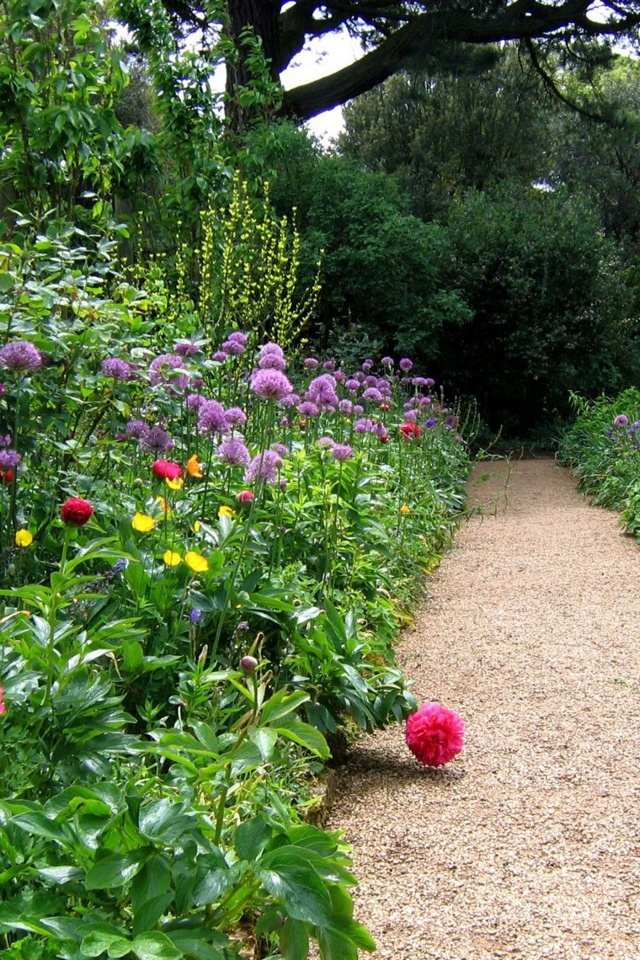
(527, 844)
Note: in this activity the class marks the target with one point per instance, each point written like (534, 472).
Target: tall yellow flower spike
(143, 523)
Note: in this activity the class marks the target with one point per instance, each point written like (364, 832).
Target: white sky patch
(322, 56)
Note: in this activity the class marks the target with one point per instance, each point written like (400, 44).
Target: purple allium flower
(308, 409)
(263, 468)
(20, 355)
(364, 425)
(342, 452)
(329, 365)
(370, 381)
(372, 394)
(235, 417)
(185, 348)
(419, 382)
(387, 361)
(161, 370)
(410, 404)
(291, 400)
(429, 382)
(357, 409)
(431, 422)
(157, 440)
(285, 421)
(352, 385)
(411, 415)
(405, 364)
(272, 361)
(270, 384)
(136, 429)
(232, 348)
(234, 452)
(5, 441)
(325, 442)
(346, 407)
(340, 376)
(195, 616)
(116, 369)
(453, 421)
(280, 449)
(424, 401)
(322, 391)
(620, 420)
(219, 356)
(238, 337)
(379, 430)
(311, 363)
(367, 365)
(359, 376)
(211, 417)
(195, 401)
(9, 459)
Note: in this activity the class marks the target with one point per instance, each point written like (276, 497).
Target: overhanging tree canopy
(400, 34)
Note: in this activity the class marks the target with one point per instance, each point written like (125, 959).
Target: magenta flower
(405, 364)
(620, 420)
(434, 734)
(20, 355)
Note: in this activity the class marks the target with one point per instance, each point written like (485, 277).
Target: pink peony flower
(3, 705)
(434, 734)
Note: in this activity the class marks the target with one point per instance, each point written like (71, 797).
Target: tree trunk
(262, 18)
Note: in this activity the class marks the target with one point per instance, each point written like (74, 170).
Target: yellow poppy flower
(196, 562)
(143, 523)
(171, 558)
(23, 538)
(194, 467)
(225, 511)
(176, 484)
(197, 527)
(404, 509)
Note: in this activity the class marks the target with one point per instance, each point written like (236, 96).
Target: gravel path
(527, 844)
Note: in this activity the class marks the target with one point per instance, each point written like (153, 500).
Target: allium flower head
(156, 440)
(352, 385)
(270, 384)
(311, 363)
(620, 420)
(234, 452)
(195, 401)
(116, 369)
(136, 429)
(308, 409)
(405, 364)
(387, 361)
(264, 468)
(322, 391)
(235, 417)
(367, 365)
(211, 417)
(272, 360)
(185, 348)
(342, 452)
(219, 356)
(233, 348)
(162, 370)
(238, 337)
(431, 422)
(20, 355)
(76, 511)
(372, 394)
(346, 407)
(435, 734)
(9, 459)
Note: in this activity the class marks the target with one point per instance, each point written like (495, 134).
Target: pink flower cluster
(434, 734)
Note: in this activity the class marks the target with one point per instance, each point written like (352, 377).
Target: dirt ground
(527, 844)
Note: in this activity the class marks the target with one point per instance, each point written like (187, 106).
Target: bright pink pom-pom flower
(76, 511)
(434, 734)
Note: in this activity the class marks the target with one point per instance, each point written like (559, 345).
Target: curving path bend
(527, 845)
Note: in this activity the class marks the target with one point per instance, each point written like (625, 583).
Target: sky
(322, 56)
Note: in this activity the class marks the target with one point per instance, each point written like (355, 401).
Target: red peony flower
(76, 511)
(6, 476)
(245, 496)
(167, 470)
(409, 429)
(434, 734)
(3, 705)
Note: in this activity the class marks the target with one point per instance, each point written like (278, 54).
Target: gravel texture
(527, 844)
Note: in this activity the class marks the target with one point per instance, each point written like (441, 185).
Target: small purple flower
(308, 409)
(387, 361)
(235, 417)
(211, 417)
(342, 452)
(372, 394)
(195, 616)
(325, 442)
(379, 430)
(195, 401)
(185, 348)
(370, 381)
(346, 407)
(425, 401)
(116, 369)
(340, 376)
(311, 363)
(9, 459)
(163, 370)
(621, 420)
(322, 391)
(238, 337)
(329, 365)
(234, 452)
(280, 449)
(367, 365)
(419, 382)
(136, 429)
(232, 348)
(411, 415)
(431, 422)
(156, 440)
(5, 441)
(291, 400)
(352, 385)
(264, 468)
(270, 384)
(20, 355)
(359, 376)
(272, 361)
(357, 409)
(405, 364)
(453, 421)
(219, 356)
(364, 425)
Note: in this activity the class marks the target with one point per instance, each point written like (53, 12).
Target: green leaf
(155, 946)
(97, 943)
(251, 838)
(306, 736)
(294, 940)
(301, 891)
(265, 739)
(281, 704)
(116, 869)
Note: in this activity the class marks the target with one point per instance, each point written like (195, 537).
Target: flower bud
(248, 664)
